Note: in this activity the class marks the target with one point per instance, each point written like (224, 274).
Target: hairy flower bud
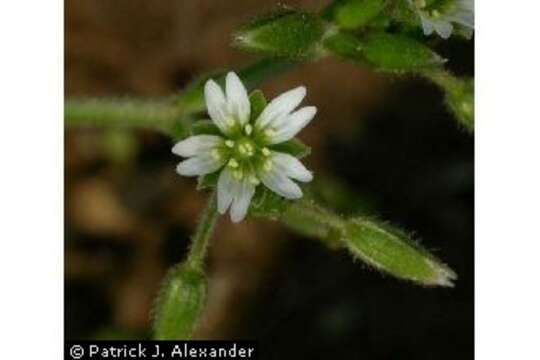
(180, 303)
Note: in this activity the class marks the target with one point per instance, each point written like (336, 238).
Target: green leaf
(391, 251)
(204, 127)
(267, 203)
(285, 33)
(377, 244)
(294, 147)
(459, 95)
(460, 99)
(180, 303)
(399, 53)
(258, 103)
(345, 45)
(351, 14)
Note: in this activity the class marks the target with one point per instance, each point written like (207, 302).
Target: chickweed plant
(243, 151)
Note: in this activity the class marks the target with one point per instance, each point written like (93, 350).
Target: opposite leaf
(391, 251)
(351, 14)
(391, 52)
(286, 33)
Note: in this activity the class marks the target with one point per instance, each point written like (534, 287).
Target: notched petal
(195, 145)
(280, 106)
(237, 98)
(199, 165)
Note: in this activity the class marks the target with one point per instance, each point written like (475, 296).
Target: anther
(233, 163)
(268, 165)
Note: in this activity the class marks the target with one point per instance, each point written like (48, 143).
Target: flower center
(244, 148)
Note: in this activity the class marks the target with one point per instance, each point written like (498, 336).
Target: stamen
(269, 132)
(248, 129)
(253, 179)
(265, 151)
(230, 122)
(233, 163)
(268, 165)
(229, 143)
(238, 174)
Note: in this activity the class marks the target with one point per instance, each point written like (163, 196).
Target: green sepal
(399, 53)
(258, 103)
(180, 303)
(285, 33)
(352, 14)
(293, 147)
(267, 203)
(208, 181)
(205, 127)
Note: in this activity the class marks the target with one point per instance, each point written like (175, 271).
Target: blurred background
(382, 146)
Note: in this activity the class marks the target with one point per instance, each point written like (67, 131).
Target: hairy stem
(162, 116)
(203, 233)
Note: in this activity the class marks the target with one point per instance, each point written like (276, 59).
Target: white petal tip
(237, 219)
(307, 177)
(294, 195)
(184, 170)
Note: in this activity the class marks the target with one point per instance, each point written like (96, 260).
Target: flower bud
(180, 303)
(391, 251)
(287, 33)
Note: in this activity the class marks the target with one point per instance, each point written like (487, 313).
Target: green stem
(203, 233)
(162, 116)
(311, 219)
(441, 77)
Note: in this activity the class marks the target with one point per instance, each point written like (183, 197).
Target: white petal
(216, 104)
(225, 190)
(443, 28)
(463, 17)
(295, 122)
(237, 98)
(242, 199)
(195, 145)
(280, 184)
(199, 165)
(280, 106)
(291, 167)
(427, 25)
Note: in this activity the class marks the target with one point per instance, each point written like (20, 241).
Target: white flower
(243, 151)
(445, 16)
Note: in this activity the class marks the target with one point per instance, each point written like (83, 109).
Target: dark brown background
(390, 142)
